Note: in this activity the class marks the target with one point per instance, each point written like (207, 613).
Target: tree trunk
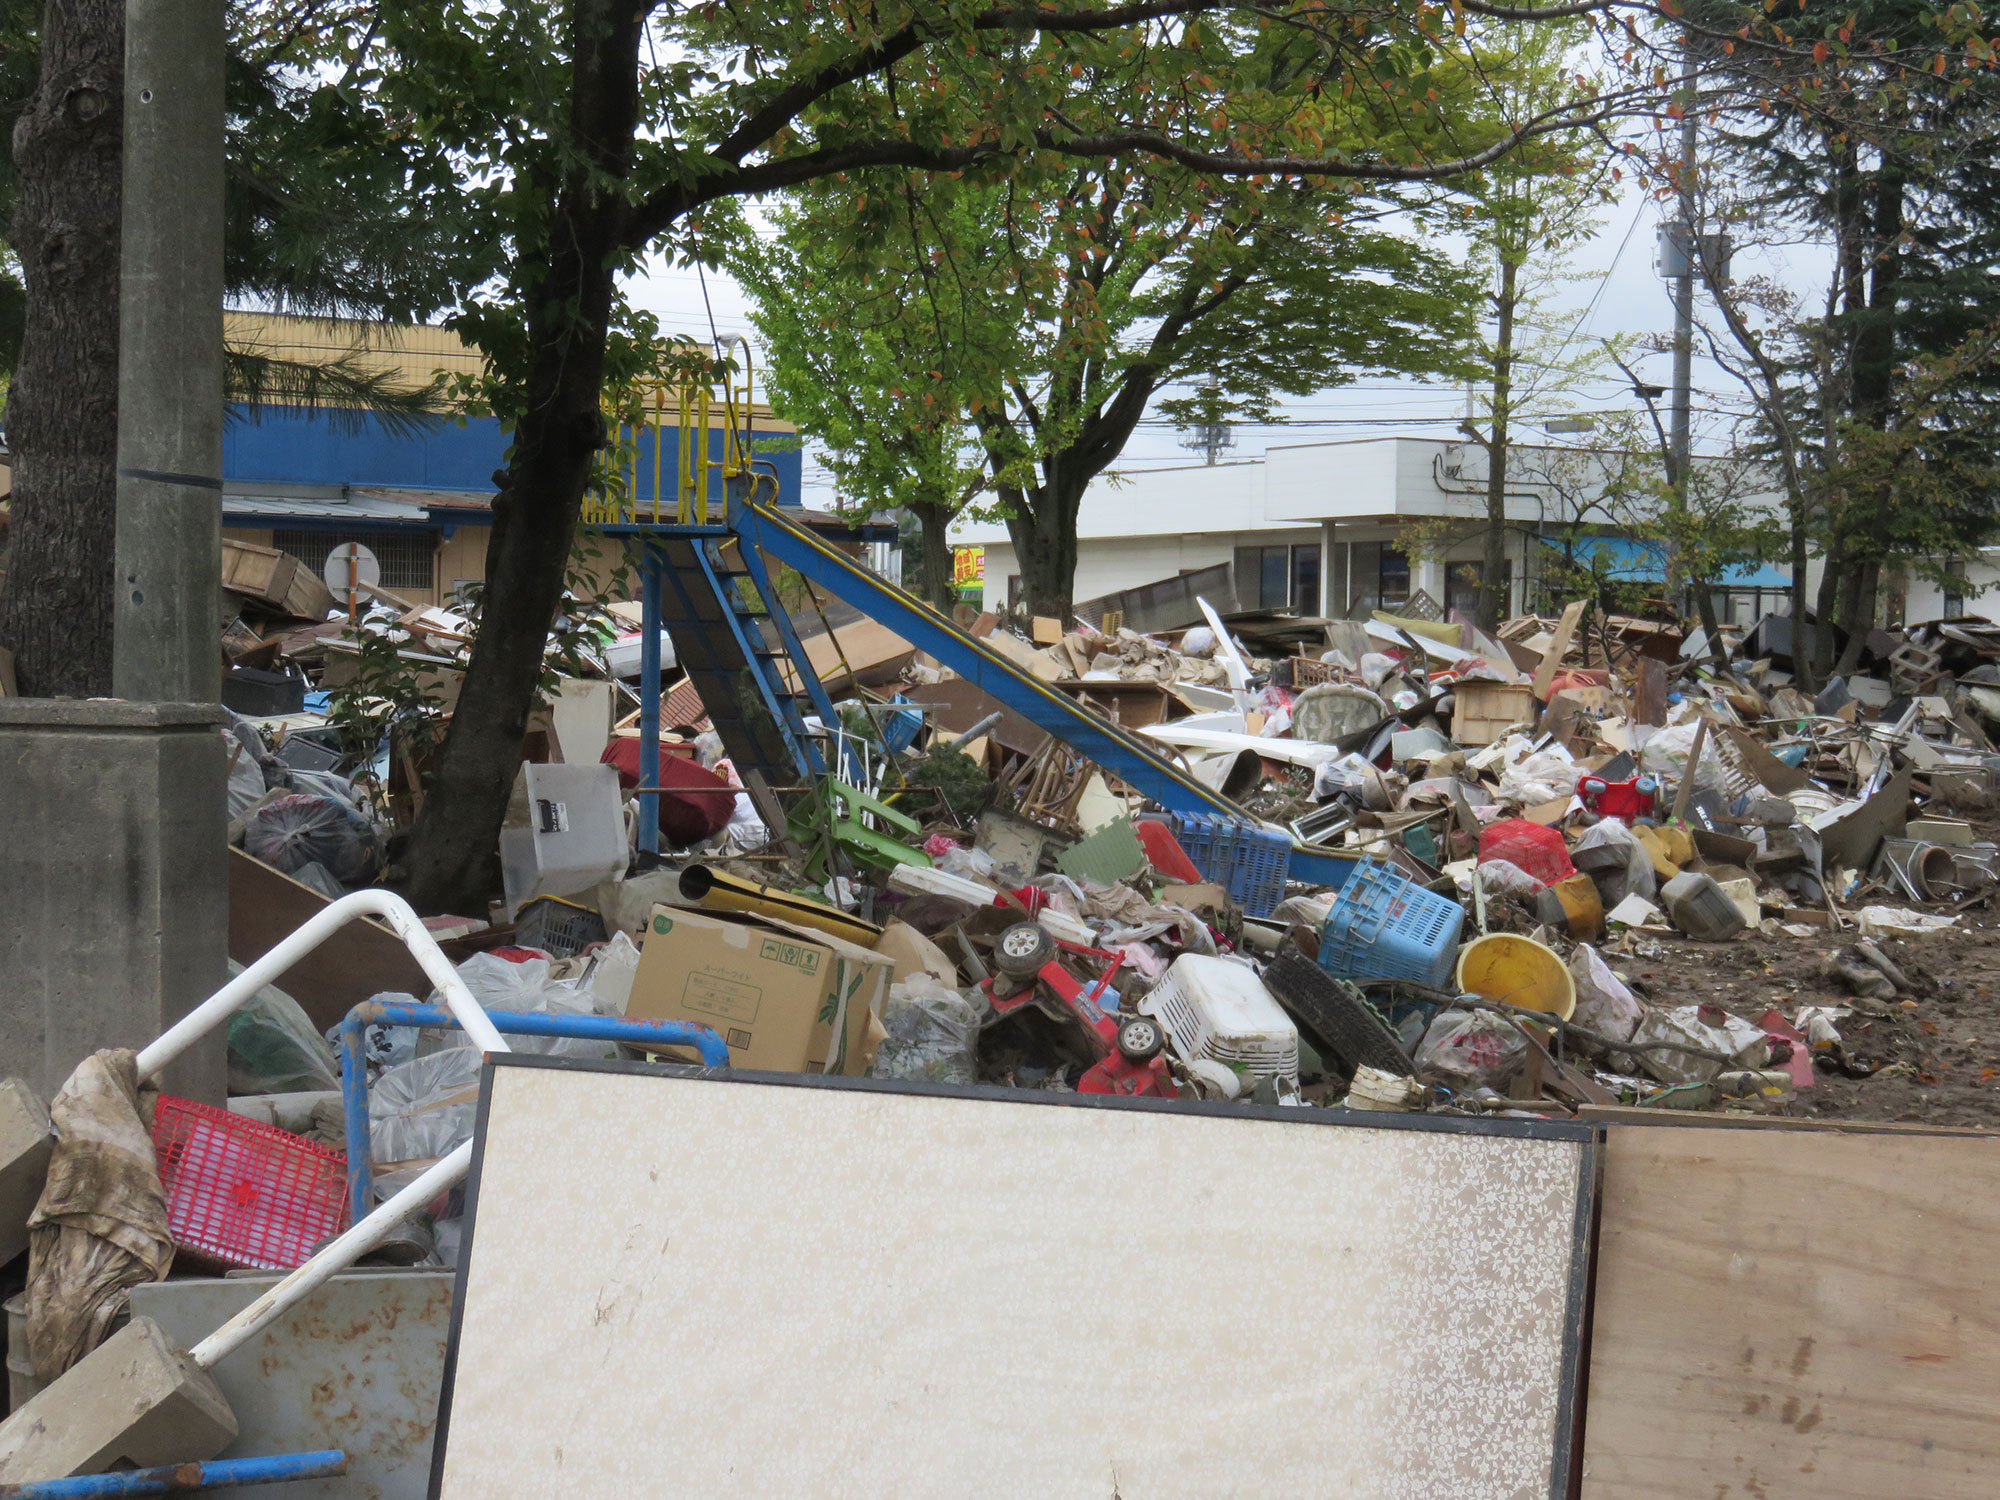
(1875, 355)
(1492, 583)
(451, 858)
(1704, 608)
(1859, 617)
(62, 412)
(935, 524)
(1044, 534)
(1826, 606)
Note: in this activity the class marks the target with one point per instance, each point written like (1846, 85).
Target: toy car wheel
(1141, 1039)
(1023, 950)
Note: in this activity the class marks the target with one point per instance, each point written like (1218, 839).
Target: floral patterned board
(777, 1286)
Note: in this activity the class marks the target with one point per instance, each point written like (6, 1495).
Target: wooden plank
(1634, 1114)
(1795, 1315)
(359, 961)
(1545, 674)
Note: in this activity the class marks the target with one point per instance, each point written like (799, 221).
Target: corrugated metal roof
(437, 499)
(331, 508)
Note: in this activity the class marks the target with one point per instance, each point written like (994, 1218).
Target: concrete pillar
(1428, 574)
(1332, 573)
(168, 600)
(114, 883)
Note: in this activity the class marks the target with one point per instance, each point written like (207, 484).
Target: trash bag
(1665, 753)
(932, 1034)
(423, 1109)
(1708, 1026)
(1545, 776)
(1616, 860)
(1502, 878)
(1603, 1002)
(273, 1048)
(246, 775)
(1377, 667)
(613, 967)
(101, 1225)
(1471, 1049)
(305, 828)
(500, 984)
(1353, 777)
(382, 1046)
(975, 864)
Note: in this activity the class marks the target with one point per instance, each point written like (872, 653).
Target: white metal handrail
(406, 924)
(371, 1231)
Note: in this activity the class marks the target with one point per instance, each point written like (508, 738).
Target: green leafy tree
(869, 359)
(1039, 314)
(592, 132)
(1870, 129)
(1525, 214)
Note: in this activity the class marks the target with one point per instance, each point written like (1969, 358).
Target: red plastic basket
(1528, 846)
(242, 1192)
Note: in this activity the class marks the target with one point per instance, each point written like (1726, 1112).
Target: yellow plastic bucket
(1516, 971)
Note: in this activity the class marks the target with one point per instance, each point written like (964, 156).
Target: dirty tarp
(101, 1225)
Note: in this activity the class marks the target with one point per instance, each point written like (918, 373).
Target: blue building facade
(421, 500)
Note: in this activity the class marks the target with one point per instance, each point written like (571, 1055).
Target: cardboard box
(771, 990)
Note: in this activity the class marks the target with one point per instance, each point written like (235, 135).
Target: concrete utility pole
(1687, 250)
(170, 357)
(113, 868)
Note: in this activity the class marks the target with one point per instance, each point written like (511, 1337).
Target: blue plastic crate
(1246, 859)
(1384, 925)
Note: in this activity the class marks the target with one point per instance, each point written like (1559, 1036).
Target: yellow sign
(968, 567)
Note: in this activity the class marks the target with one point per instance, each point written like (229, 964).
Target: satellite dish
(349, 567)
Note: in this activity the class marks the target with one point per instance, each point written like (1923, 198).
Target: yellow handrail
(696, 406)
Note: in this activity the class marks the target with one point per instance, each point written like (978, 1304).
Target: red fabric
(1527, 846)
(1166, 853)
(1031, 898)
(699, 804)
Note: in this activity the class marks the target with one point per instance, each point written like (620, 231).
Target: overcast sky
(1628, 298)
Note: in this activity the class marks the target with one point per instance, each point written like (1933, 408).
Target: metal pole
(167, 605)
(180, 1479)
(1679, 437)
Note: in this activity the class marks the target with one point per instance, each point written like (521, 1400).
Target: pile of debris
(1525, 827)
(1518, 840)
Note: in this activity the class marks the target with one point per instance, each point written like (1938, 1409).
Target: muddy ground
(1937, 1053)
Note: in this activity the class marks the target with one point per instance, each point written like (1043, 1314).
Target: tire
(1023, 950)
(1140, 1038)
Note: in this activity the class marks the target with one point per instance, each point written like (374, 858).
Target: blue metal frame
(1088, 733)
(759, 529)
(753, 563)
(782, 706)
(354, 1070)
(180, 1479)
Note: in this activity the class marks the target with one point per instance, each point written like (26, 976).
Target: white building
(1320, 528)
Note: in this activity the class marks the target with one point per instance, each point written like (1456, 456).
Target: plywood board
(1795, 1315)
(357, 962)
(761, 1285)
(1545, 674)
